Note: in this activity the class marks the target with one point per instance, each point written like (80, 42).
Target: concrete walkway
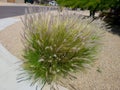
(6, 22)
(9, 71)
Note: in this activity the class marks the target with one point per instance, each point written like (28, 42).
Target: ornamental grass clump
(57, 44)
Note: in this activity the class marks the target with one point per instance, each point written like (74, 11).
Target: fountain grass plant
(57, 44)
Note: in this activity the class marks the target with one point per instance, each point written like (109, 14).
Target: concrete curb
(7, 22)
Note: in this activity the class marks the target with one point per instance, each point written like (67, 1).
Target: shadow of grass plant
(57, 44)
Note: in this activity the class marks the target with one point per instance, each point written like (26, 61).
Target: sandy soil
(11, 38)
(105, 75)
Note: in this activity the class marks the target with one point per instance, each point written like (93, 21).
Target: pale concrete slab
(9, 70)
(7, 22)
